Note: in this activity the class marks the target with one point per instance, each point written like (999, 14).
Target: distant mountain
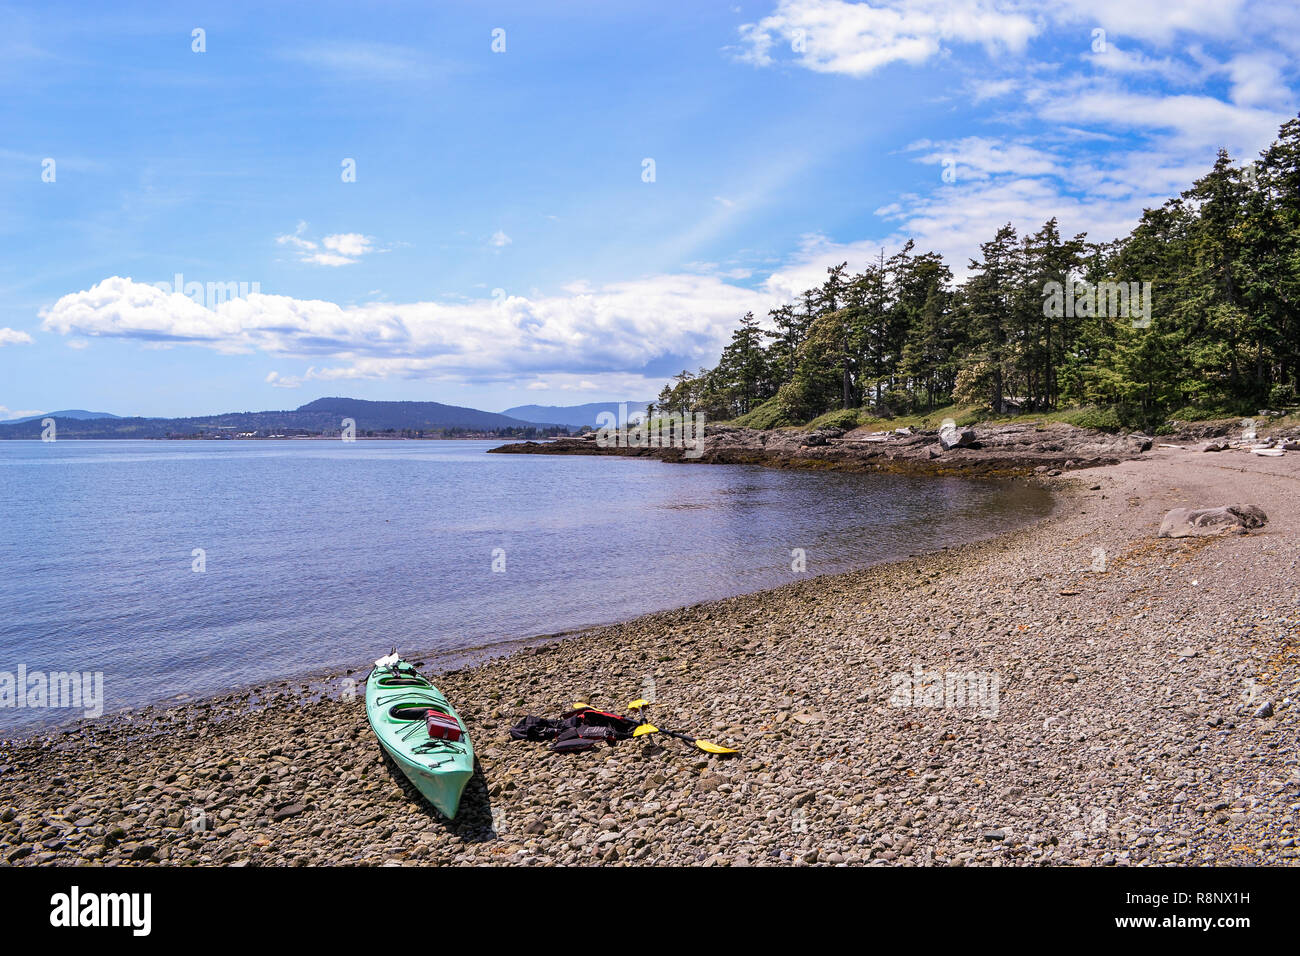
(78, 413)
(321, 417)
(573, 415)
(427, 415)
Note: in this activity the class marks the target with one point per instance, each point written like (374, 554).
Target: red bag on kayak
(442, 726)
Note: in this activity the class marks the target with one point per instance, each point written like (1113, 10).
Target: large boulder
(1200, 522)
(953, 437)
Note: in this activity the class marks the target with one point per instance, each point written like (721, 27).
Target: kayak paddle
(646, 727)
(707, 746)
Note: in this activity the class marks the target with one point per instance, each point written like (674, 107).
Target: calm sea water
(320, 554)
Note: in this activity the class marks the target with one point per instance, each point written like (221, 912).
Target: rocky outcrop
(982, 450)
(1204, 522)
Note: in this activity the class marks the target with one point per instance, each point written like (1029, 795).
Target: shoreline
(1123, 734)
(983, 451)
(313, 682)
(308, 685)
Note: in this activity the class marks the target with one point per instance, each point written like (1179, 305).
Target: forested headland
(1193, 314)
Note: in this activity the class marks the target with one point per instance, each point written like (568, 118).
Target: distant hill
(78, 413)
(573, 415)
(321, 417)
(427, 415)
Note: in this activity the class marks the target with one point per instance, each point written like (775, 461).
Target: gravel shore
(1109, 708)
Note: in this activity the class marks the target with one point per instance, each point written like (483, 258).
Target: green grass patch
(1091, 416)
(767, 415)
(847, 418)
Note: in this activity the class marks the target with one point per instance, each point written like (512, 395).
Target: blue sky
(500, 244)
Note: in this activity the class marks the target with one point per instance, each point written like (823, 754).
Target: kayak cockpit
(415, 710)
(401, 681)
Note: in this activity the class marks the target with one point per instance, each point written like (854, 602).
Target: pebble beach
(1131, 702)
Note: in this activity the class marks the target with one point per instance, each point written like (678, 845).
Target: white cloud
(1135, 63)
(344, 248)
(1257, 80)
(859, 38)
(618, 327)
(978, 157)
(563, 384)
(8, 414)
(500, 239)
(328, 259)
(1189, 122)
(78, 344)
(1154, 22)
(613, 385)
(296, 239)
(349, 243)
(985, 89)
(279, 381)
(14, 337)
(835, 36)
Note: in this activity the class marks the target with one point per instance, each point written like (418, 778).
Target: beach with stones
(1137, 708)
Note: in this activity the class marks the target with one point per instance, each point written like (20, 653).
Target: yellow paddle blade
(638, 704)
(645, 729)
(710, 747)
(579, 706)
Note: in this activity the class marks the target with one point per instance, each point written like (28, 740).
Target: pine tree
(990, 301)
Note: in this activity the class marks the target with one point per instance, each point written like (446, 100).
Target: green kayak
(398, 701)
